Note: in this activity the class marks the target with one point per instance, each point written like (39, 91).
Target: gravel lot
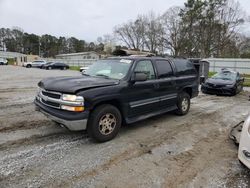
(164, 151)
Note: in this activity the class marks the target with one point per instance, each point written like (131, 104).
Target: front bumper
(217, 91)
(244, 147)
(74, 121)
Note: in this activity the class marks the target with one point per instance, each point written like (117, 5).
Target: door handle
(157, 85)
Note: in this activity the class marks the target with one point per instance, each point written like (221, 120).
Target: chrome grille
(215, 85)
(51, 104)
(51, 94)
(53, 99)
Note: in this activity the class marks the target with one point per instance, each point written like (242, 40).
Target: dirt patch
(22, 125)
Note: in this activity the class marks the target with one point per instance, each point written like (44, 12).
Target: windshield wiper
(102, 75)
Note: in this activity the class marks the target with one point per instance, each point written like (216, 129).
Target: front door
(141, 96)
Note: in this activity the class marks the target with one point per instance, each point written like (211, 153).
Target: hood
(74, 84)
(219, 82)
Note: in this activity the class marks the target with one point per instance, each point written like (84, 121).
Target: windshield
(227, 75)
(110, 68)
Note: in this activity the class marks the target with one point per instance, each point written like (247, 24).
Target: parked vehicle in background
(244, 147)
(55, 65)
(35, 64)
(3, 61)
(117, 90)
(83, 69)
(225, 82)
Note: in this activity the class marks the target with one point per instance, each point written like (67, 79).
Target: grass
(75, 68)
(11, 61)
(246, 82)
(210, 74)
(246, 76)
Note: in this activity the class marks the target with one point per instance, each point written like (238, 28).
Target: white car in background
(36, 64)
(3, 61)
(244, 147)
(83, 69)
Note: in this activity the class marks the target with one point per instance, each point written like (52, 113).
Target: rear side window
(38, 61)
(184, 67)
(164, 68)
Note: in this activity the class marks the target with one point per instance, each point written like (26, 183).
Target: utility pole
(39, 48)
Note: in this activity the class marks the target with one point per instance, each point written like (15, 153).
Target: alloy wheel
(107, 124)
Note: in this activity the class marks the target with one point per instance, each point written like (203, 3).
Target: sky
(83, 19)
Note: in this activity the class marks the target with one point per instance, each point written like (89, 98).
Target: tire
(64, 68)
(183, 104)
(243, 165)
(102, 119)
(28, 66)
(49, 68)
(241, 88)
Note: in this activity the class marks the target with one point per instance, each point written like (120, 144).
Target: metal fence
(216, 64)
(240, 65)
(73, 62)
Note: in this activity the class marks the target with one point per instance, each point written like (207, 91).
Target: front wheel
(104, 123)
(183, 103)
(240, 88)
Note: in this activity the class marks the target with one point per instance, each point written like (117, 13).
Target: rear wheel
(28, 66)
(104, 123)
(49, 68)
(183, 104)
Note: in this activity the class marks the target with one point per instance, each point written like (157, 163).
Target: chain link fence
(73, 62)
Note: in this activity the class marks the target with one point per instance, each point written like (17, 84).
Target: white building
(17, 57)
(79, 56)
(236, 64)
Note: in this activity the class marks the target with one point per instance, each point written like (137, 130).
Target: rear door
(167, 90)
(37, 63)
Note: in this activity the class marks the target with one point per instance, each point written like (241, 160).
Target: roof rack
(147, 55)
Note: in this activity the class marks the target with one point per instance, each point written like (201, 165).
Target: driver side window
(147, 68)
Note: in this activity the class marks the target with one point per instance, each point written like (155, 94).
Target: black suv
(116, 90)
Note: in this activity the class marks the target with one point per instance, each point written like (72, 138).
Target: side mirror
(139, 77)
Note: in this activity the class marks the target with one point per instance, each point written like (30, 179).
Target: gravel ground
(164, 151)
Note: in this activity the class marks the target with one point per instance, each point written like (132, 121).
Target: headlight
(231, 85)
(72, 98)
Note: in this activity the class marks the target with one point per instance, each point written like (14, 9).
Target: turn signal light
(73, 108)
